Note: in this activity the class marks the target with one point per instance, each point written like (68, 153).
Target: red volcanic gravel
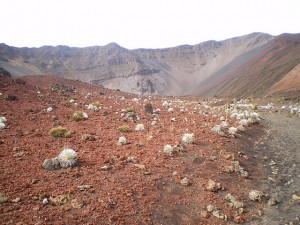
(142, 183)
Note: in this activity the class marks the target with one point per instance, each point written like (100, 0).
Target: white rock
(85, 115)
(45, 201)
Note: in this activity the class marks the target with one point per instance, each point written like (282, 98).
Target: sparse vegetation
(123, 128)
(96, 104)
(67, 158)
(60, 132)
(79, 115)
(129, 110)
(187, 138)
(140, 127)
(122, 141)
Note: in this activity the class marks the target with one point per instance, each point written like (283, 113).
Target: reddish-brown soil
(124, 194)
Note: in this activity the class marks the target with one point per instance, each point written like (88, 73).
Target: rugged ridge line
(222, 68)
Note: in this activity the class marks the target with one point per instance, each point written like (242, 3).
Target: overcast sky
(141, 23)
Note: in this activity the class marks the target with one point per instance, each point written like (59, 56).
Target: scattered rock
(204, 214)
(273, 201)
(130, 116)
(255, 195)
(10, 98)
(84, 187)
(59, 199)
(148, 108)
(45, 201)
(233, 202)
(215, 212)
(272, 163)
(105, 168)
(239, 169)
(89, 137)
(140, 166)
(210, 208)
(227, 155)
(20, 154)
(3, 198)
(16, 200)
(296, 197)
(51, 164)
(76, 204)
(62, 88)
(105, 113)
(213, 186)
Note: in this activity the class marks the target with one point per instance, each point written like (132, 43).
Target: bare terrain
(140, 182)
(281, 158)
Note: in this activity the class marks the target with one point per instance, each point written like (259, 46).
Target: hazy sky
(141, 23)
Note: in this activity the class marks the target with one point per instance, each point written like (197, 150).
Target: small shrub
(140, 127)
(170, 110)
(59, 132)
(67, 158)
(122, 141)
(168, 149)
(187, 138)
(129, 110)
(78, 115)
(123, 128)
(96, 104)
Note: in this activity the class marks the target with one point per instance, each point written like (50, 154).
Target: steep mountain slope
(257, 75)
(206, 69)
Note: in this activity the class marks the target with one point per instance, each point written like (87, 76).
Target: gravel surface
(281, 150)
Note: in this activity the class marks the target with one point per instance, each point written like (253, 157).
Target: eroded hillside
(239, 67)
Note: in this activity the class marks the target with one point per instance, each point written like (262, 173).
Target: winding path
(281, 150)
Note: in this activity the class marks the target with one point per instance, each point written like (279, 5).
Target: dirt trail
(281, 150)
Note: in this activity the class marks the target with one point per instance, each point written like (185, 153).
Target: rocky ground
(138, 182)
(281, 150)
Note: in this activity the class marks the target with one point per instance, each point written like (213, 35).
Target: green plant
(129, 110)
(78, 115)
(96, 104)
(59, 132)
(123, 128)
